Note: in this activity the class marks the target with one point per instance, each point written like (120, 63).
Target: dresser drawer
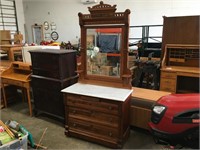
(168, 85)
(47, 73)
(93, 129)
(59, 64)
(171, 75)
(95, 116)
(49, 83)
(9, 81)
(93, 103)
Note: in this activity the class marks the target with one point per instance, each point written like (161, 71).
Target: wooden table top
(4, 64)
(147, 94)
(16, 45)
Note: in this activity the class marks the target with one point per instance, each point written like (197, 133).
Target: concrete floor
(54, 137)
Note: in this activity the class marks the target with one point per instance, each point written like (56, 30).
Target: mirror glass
(103, 51)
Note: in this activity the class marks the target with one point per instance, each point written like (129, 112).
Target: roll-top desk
(180, 69)
(97, 113)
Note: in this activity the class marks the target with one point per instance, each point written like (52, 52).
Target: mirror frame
(104, 16)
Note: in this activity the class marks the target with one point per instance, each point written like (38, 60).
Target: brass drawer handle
(110, 107)
(92, 112)
(110, 134)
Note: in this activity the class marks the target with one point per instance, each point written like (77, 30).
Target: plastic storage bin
(16, 144)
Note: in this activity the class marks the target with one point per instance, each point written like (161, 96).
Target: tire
(191, 139)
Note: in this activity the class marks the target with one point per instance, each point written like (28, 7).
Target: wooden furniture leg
(11, 55)
(23, 94)
(29, 100)
(4, 95)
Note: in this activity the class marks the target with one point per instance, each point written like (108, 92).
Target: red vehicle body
(175, 119)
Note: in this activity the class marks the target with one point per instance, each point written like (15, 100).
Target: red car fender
(176, 104)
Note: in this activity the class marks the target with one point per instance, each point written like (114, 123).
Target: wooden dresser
(97, 113)
(53, 70)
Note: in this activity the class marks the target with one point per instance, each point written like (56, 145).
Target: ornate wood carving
(105, 16)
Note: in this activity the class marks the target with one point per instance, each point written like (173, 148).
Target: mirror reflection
(103, 51)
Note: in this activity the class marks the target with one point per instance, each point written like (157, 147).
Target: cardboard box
(101, 59)
(106, 70)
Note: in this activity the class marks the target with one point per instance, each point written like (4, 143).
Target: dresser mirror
(104, 46)
(103, 51)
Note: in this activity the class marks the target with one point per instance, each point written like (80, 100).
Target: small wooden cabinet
(97, 113)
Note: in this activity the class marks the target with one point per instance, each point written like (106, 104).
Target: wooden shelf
(113, 54)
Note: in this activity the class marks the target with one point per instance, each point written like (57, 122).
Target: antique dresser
(97, 107)
(97, 113)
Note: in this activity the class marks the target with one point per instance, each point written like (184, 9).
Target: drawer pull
(110, 134)
(92, 112)
(110, 107)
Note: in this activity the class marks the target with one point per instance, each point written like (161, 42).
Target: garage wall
(65, 13)
(20, 16)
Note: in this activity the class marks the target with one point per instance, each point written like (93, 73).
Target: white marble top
(117, 94)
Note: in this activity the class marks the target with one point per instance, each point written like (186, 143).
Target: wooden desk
(141, 102)
(170, 75)
(17, 74)
(180, 68)
(10, 49)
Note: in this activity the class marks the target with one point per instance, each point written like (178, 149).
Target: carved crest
(102, 10)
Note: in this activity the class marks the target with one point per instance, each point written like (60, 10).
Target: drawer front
(95, 116)
(44, 60)
(52, 85)
(49, 101)
(93, 103)
(47, 73)
(168, 85)
(13, 82)
(93, 129)
(170, 75)
(59, 66)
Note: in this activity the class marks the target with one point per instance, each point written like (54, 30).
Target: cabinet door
(48, 101)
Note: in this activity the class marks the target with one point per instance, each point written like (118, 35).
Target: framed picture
(46, 25)
(53, 26)
(54, 35)
(47, 36)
